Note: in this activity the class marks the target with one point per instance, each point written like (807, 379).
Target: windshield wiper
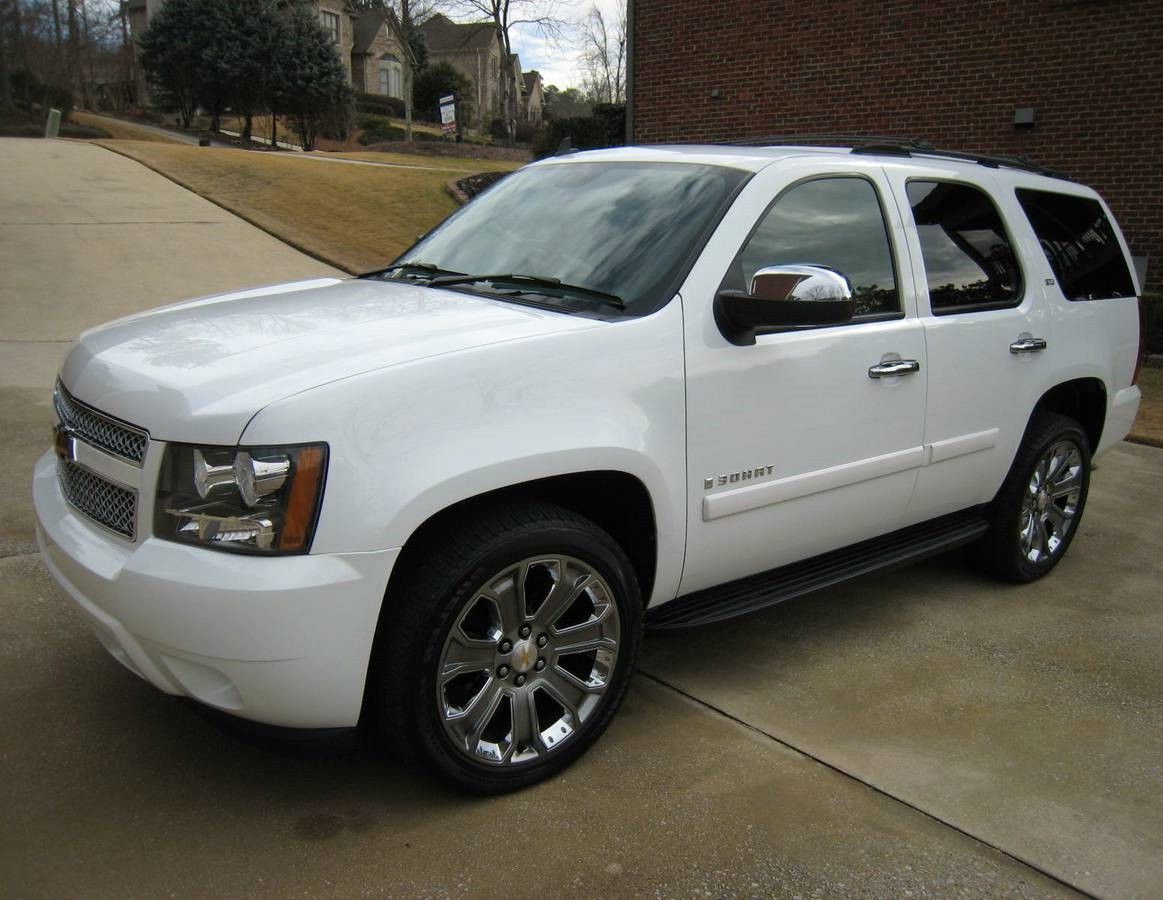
(425, 267)
(540, 281)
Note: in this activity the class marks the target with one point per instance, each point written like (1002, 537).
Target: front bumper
(282, 640)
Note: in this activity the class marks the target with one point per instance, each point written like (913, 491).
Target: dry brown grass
(354, 217)
(455, 164)
(1148, 427)
(118, 129)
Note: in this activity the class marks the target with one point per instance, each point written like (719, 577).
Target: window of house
(969, 260)
(835, 222)
(391, 77)
(330, 22)
(1079, 244)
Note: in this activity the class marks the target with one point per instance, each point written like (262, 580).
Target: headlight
(253, 499)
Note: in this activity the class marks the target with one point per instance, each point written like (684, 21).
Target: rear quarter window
(1080, 244)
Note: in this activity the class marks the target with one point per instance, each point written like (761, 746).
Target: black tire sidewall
(1007, 559)
(571, 536)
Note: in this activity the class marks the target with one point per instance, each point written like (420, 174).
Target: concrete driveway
(922, 732)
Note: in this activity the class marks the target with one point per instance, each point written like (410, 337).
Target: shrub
(432, 83)
(378, 130)
(528, 132)
(497, 129)
(605, 128)
(378, 104)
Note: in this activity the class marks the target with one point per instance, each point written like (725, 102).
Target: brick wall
(949, 71)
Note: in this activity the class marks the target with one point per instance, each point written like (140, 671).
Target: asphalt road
(925, 731)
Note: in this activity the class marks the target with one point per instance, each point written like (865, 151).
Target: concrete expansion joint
(873, 787)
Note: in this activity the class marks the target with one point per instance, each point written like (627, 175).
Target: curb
(453, 190)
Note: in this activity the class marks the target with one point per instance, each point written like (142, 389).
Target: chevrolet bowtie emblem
(65, 444)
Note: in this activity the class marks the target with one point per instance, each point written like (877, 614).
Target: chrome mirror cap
(808, 283)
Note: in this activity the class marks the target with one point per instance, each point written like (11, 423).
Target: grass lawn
(1149, 425)
(355, 217)
(119, 130)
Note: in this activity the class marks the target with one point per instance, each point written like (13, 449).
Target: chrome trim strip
(113, 469)
(754, 496)
(963, 445)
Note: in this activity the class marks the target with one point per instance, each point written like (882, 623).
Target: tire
(1036, 514)
(486, 670)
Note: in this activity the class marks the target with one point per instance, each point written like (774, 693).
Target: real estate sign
(448, 114)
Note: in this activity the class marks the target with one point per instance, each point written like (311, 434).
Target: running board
(737, 598)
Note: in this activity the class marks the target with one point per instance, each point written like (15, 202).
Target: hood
(198, 371)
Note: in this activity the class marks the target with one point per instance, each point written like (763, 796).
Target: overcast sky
(558, 63)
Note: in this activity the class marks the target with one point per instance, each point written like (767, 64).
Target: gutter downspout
(630, 5)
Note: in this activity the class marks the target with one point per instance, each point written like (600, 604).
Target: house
(474, 50)
(533, 101)
(1076, 86)
(377, 59)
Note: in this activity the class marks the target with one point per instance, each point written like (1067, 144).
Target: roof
(754, 159)
(531, 79)
(444, 35)
(367, 27)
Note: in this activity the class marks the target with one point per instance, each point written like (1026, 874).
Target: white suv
(640, 386)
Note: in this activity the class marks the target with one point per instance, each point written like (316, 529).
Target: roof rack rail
(882, 145)
(992, 161)
(859, 139)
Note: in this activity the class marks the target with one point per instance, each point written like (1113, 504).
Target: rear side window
(1079, 243)
(969, 261)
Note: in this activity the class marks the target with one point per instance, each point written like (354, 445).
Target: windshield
(627, 230)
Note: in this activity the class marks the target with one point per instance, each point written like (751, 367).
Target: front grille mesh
(102, 501)
(118, 438)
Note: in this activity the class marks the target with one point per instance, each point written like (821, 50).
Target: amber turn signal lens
(307, 479)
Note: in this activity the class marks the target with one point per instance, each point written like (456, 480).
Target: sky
(558, 63)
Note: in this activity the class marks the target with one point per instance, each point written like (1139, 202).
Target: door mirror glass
(785, 297)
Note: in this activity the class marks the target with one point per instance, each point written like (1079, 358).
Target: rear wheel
(1037, 511)
(512, 649)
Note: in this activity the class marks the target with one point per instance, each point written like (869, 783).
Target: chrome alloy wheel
(527, 660)
(1050, 504)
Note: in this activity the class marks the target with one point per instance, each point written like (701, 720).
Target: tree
(541, 15)
(171, 56)
(567, 104)
(436, 81)
(603, 55)
(313, 82)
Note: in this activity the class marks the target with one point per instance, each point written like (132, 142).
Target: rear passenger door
(987, 332)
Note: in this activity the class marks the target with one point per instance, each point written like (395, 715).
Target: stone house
(533, 99)
(474, 50)
(377, 59)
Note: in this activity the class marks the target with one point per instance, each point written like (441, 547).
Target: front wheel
(514, 647)
(1037, 511)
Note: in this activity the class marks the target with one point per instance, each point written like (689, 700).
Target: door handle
(1028, 345)
(894, 367)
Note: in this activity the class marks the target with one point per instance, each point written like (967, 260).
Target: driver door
(794, 448)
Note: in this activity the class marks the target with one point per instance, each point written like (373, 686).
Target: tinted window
(834, 222)
(628, 229)
(1080, 244)
(969, 262)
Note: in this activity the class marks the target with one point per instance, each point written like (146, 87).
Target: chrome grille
(102, 501)
(100, 430)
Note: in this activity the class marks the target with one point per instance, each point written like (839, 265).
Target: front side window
(832, 222)
(625, 229)
(1079, 243)
(330, 22)
(969, 260)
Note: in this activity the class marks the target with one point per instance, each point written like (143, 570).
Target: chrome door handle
(894, 367)
(1028, 345)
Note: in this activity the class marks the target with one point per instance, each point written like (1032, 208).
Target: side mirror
(787, 297)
